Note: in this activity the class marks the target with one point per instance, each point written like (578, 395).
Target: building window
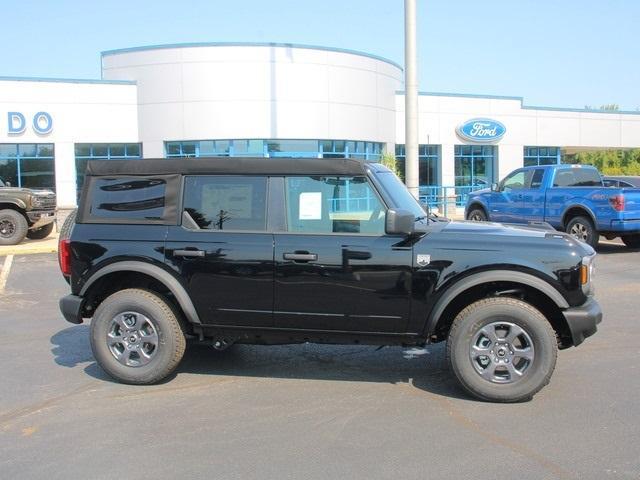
(474, 165)
(103, 151)
(541, 156)
(28, 165)
(429, 163)
(368, 151)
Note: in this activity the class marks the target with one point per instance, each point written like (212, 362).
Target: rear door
(222, 250)
(533, 195)
(336, 269)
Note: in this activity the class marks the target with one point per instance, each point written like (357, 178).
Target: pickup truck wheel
(631, 241)
(40, 233)
(502, 349)
(582, 228)
(13, 227)
(136, 337)
(477, 215)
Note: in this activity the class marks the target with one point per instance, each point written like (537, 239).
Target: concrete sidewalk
(27, 246)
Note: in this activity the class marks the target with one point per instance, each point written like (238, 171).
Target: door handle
(188, 253)
(300, 257)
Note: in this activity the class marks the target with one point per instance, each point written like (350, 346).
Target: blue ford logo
(481, 130)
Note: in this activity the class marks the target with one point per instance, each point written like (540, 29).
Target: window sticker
(310, 206)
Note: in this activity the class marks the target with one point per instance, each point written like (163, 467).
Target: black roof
(228, 166)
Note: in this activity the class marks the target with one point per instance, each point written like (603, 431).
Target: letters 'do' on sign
(483, 130)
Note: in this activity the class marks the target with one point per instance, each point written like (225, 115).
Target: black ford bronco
(276, 251)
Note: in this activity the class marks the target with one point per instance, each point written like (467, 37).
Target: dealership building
(269, 100)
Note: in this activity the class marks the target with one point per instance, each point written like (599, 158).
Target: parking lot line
(4, 274)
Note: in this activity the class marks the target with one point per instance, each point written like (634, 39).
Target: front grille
(48, 202)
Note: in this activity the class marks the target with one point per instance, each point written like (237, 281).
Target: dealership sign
(481, 130)
(41, 123)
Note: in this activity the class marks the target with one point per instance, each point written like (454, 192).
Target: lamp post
(411, 98)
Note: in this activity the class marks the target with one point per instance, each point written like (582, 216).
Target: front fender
(458, 287)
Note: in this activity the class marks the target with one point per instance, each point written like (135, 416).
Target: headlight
(586, 274)
(37, 201)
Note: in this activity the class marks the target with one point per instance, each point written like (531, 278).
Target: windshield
(399, 194)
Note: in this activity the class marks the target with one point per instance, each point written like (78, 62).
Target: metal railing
(446, 198)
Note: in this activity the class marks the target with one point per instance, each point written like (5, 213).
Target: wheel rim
(476, 217)
(502, 352)
(7, 228)
(132, 339)
(580, 231)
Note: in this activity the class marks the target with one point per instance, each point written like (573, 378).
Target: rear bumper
(70, 307)
(583, 320)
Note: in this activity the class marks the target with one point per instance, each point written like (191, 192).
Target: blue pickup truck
(571, 198)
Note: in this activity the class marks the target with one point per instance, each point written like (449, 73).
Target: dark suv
(275, 251)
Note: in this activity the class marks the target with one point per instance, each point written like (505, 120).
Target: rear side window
(226, 202)
(536, 178)
(128, 198)
(577, 177)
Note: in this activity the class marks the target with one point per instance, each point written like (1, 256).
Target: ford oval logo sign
(481, 130)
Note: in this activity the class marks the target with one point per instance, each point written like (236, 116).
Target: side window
(535, 177)
(564, 178)
(577, 177)
(514, 181)
(128, 198)
(225, 202)
(333, 205)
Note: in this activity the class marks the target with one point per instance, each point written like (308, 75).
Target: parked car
(309, 250)
(24, 213)
(621, 182)
(571, 198)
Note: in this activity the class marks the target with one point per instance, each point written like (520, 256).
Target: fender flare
(18, 203)
(582, 207)
(487, 277)
(168, 280)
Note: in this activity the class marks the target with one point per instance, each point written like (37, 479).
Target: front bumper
(70, 307)
(583, 320)
(38, 219)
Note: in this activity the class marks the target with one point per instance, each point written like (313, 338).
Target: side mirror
(494, 187)
(399, 222)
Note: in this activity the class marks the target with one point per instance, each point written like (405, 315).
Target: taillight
(617, 202)
(64, 255)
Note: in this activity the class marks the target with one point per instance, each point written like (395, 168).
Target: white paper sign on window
(310, 206)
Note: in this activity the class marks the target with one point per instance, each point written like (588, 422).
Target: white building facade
(229, 100)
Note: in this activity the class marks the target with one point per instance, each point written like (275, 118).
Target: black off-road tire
(171, 339)
(477, 215)
(631, 241)
(13, 227)
(583, 229)
(488, 312)
(65, 231)
(40, 233)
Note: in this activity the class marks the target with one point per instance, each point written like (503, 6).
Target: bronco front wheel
(502, 349)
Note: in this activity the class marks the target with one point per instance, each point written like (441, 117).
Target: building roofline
(522, 105)
(66, 80)
(247, 44)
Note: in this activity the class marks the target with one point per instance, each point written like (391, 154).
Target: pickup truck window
(515, 181)
(226, 203)
(577, 177)
(536, 178)
(333, 205)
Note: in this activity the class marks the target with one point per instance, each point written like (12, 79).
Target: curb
(28, 250)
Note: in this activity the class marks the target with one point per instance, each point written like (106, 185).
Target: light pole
(411, 98)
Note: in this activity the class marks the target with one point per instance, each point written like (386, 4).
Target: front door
(336, 269)
(505, 204)
(222, 251)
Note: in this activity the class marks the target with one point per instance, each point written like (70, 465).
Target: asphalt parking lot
(309, 411)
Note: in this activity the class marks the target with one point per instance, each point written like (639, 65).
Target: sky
(560, 53)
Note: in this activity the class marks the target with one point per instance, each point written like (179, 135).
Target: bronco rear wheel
(136, 337)
(40, 233)
(502, 349)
